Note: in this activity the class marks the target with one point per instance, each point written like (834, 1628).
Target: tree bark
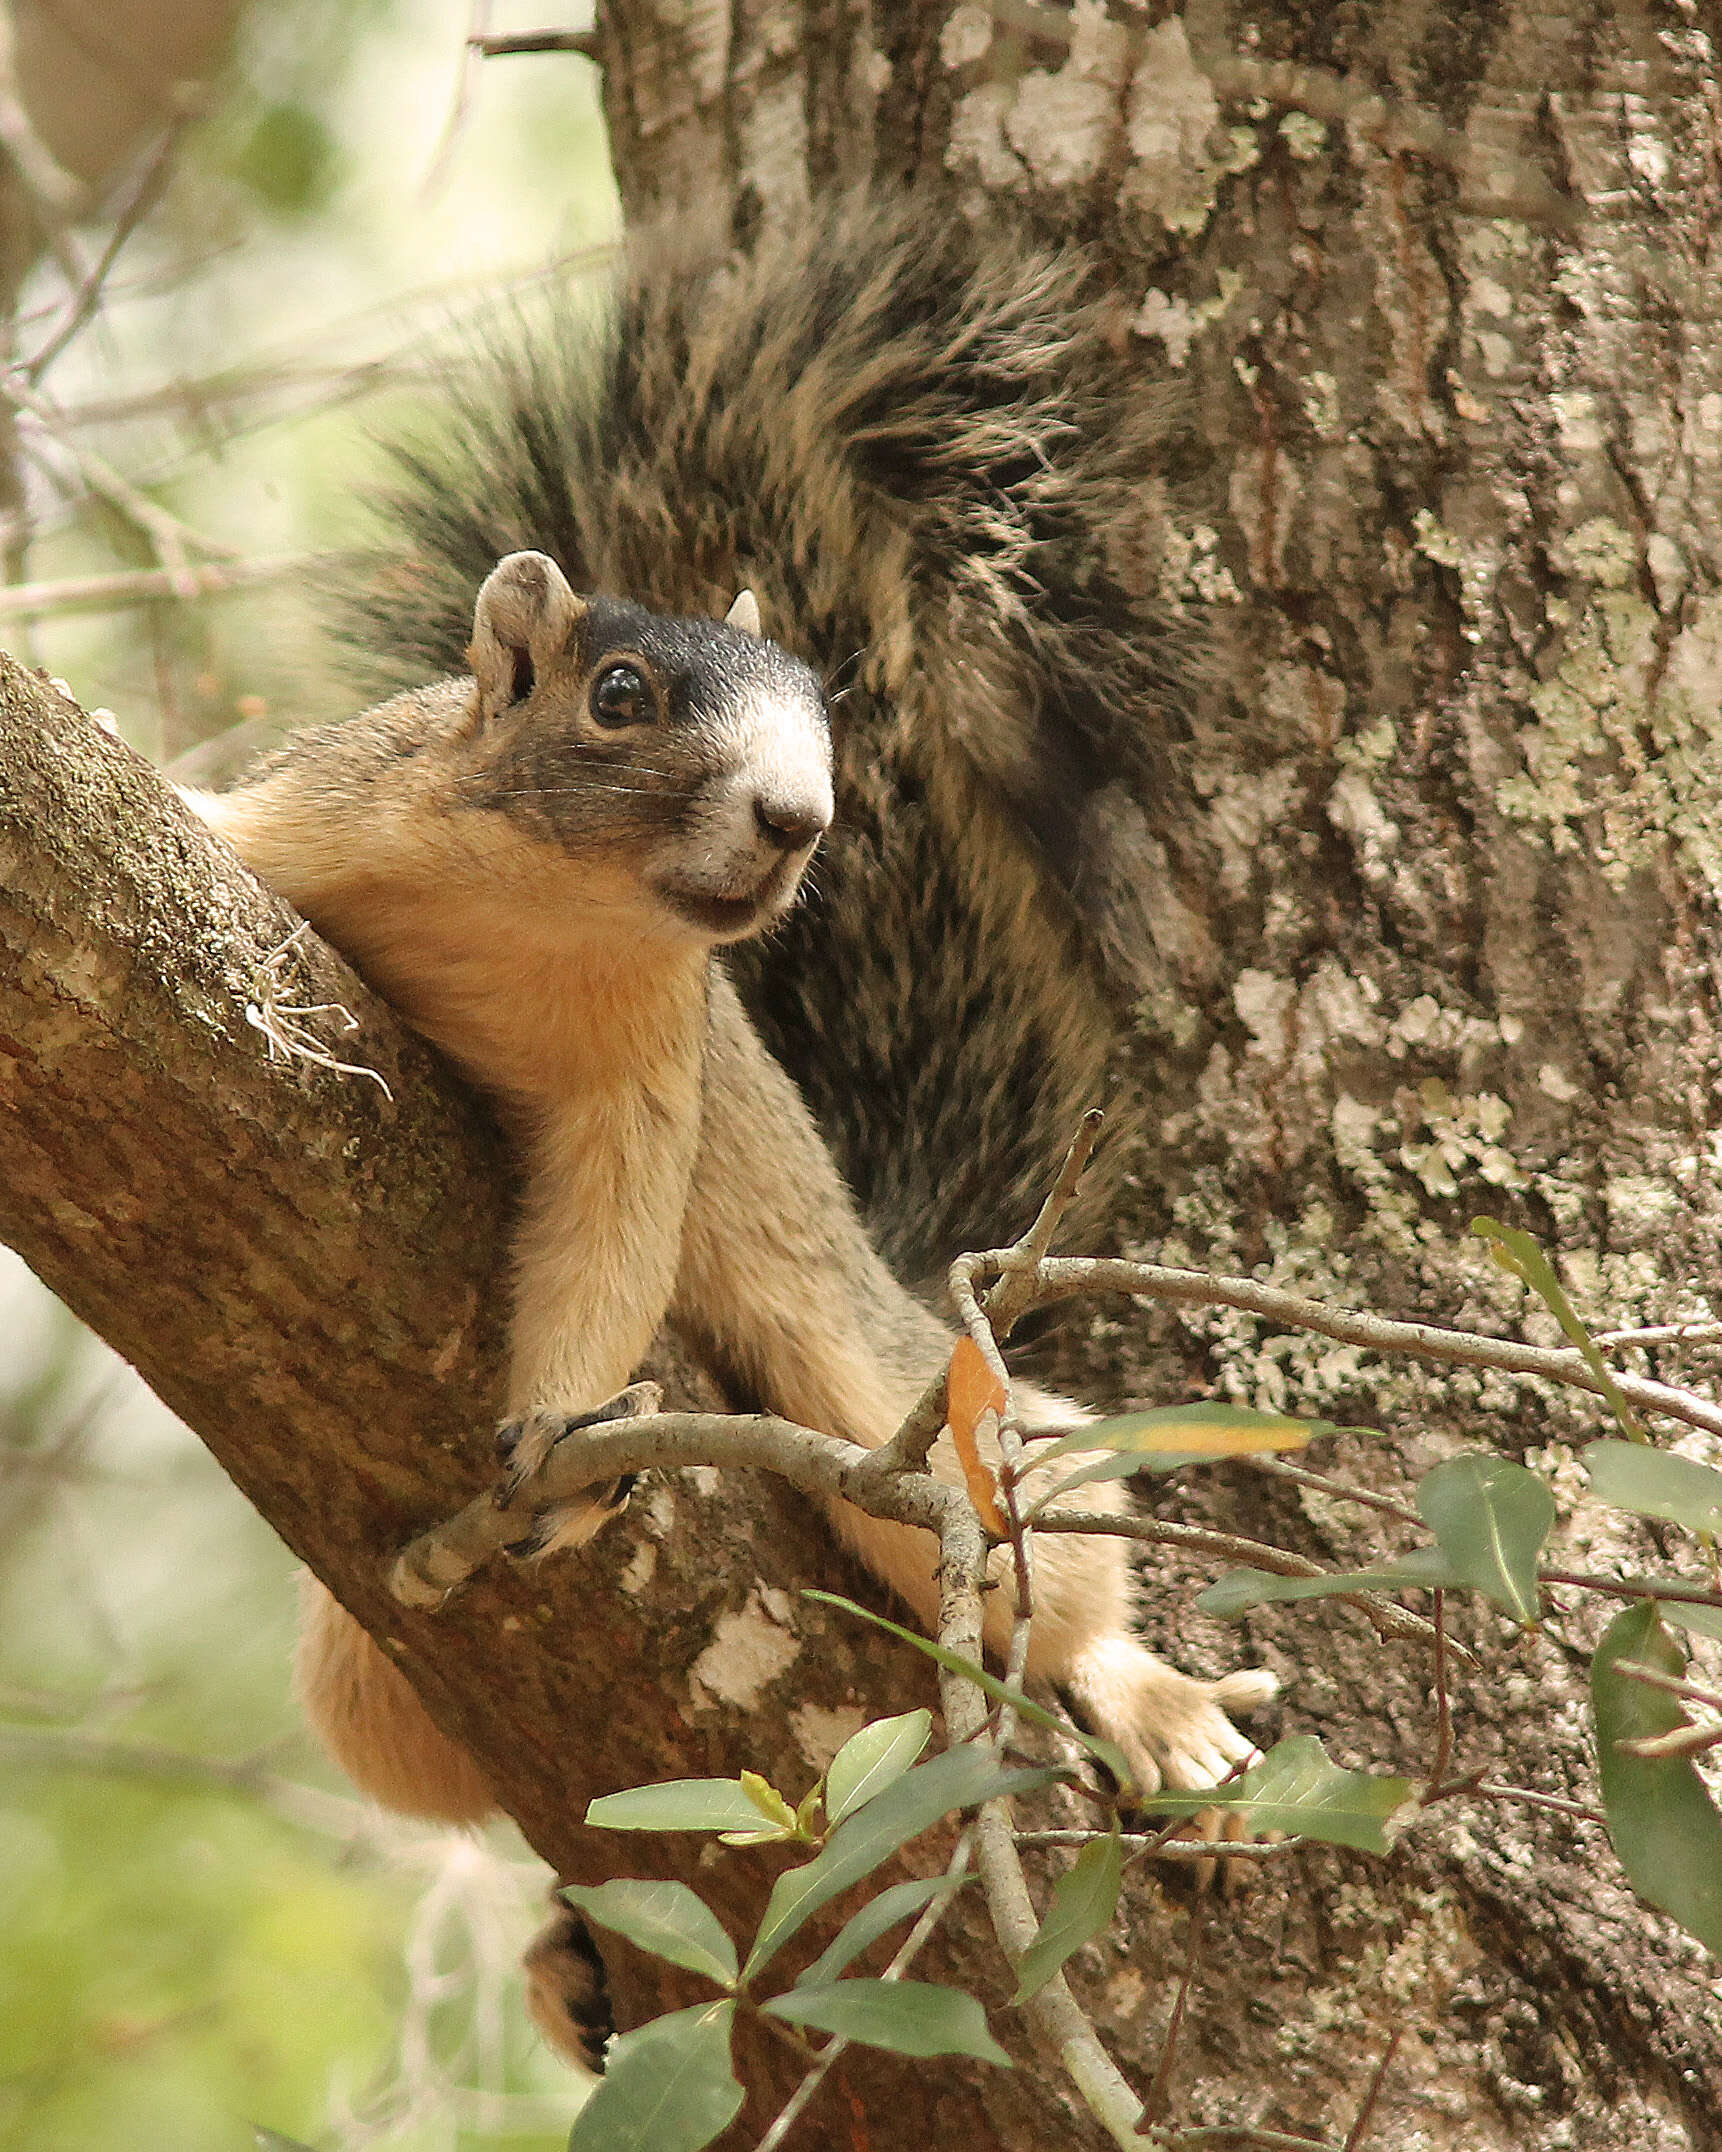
(1437, 286)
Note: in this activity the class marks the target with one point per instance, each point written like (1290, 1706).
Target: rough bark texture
(308, 1271)
(1442, 285)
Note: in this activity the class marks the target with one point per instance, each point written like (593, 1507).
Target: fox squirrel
(559, 860)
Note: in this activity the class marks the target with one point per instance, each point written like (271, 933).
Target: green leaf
(959, 1778)
(911, 2017)
(1700, 1620)
(1298, 1788)
(272, 2140)
(870, 1760)
(876, 1918)
(1491, 1518)
(1084, 1901)
(1105, 1751)
(665, 1918)
(677, 1804)
(1660, 1818)
(1423, 1569)
(1185, 1434)
(666, 2087)
(1519, 1253)
(1656, 1483)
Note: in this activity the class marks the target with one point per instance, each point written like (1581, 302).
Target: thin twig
(1529, 1798)
(1687, 1740)
(472, 53)
(1066, 1277)
(439, 1560)
(55, 193)
(1669, 1588)
(1694, 1333)
(1014, 1293)
(140, 199)
(1340, 1490)
(1391, 1623)
(1653, 1678)
(834, 2050)
(170, 537)
(1154, 2102)
(584, 42)
(1172, 1849)
(142, 586)
(1443, 1702)
(1242, 2133)
(1359, 2129)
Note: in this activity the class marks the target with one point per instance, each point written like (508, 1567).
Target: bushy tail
(909, 440)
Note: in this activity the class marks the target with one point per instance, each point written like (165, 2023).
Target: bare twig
(1019, 1269)
(141, 586)
(1653, 1678)
(1371, 2099)
(1443, 1702)
(1529, 1798)
(170, 537)
(918, 1936)
(1669, 1588)
(1691, 1740)
(140, 198)
(472, 52)
(1340, 1490)
(440, 1560)
(1171, 1849)
(1154, 2104)
(1694, 1333)
(1390, 1622)
(584, 42)
(56, 193)
(1067, 1277)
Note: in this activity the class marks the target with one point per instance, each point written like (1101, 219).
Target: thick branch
(307, 1270)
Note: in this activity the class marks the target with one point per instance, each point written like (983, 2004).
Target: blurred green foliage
(200, 1929)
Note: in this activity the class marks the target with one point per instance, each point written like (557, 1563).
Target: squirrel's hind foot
(1174, 1730)
(567, 1994)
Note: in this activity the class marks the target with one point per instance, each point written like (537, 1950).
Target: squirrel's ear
(523, 619)
(744, 613)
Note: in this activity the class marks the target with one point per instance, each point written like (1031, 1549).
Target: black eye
(621, 695)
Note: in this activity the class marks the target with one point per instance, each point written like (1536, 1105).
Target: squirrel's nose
(788, 824)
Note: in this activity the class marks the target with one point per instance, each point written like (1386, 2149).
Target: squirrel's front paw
(524, 1445)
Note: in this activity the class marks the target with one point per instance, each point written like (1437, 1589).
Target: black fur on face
(613, 744)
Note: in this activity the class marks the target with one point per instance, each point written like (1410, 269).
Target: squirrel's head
(690, 758)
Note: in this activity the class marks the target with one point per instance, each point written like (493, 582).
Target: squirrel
(578, 860)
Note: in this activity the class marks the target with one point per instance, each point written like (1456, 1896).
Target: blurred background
(232, 241)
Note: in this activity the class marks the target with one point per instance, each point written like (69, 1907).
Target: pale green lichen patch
(1476, 562)
(1176, 322)
(1639, 769)
(1191, 567)
(1305, 137)
(1061, 123)
(1171, 128)
(1460, 1142)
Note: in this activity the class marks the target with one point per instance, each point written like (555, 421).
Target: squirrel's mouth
(728, 915)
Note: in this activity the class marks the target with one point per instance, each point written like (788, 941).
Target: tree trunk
(1437, 285)
(1438, 289)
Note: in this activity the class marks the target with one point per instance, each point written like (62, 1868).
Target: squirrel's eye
(621, 695)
